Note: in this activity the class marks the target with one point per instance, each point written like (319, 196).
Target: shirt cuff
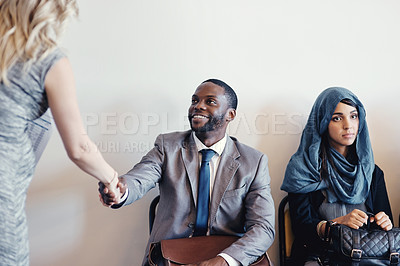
(231, 261)
(123, 198)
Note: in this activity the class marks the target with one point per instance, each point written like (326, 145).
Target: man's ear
(231, 114)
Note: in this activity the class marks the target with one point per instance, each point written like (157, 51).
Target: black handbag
(368, 245)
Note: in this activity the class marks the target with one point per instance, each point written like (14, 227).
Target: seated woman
(332, 176)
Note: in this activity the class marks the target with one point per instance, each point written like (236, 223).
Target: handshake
(112, 193)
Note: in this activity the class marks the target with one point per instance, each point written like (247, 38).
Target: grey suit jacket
(241, 202)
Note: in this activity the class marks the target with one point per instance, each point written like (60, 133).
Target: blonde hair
(29, 30)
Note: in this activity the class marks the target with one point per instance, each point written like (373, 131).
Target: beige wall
(136, 65)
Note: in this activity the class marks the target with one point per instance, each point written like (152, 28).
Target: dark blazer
(304, 216)
(241, 202)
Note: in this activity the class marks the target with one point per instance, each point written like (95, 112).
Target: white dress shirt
(214, 163)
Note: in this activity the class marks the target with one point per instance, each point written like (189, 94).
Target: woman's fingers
(382, 219)
(358, 217)
(355, 219)
(381, 216)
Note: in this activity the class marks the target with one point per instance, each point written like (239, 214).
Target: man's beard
(214, 123)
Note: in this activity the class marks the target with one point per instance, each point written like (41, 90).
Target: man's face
(209, 108)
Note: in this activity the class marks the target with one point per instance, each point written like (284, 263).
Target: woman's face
(343, 127)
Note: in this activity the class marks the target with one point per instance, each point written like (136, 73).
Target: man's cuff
(121, 200)
(124, 197)
(231, 261)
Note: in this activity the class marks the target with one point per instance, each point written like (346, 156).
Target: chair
(152, 211)
(286, 236)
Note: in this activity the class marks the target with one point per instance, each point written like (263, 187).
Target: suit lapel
(226, 170)
(191, 161)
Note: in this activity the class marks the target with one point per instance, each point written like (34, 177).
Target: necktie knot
(207, 154)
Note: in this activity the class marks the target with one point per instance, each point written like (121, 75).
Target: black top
(305, 217)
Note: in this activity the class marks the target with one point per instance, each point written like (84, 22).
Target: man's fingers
(103, 202)
(108, 203)
(107, 196)
(101, 187)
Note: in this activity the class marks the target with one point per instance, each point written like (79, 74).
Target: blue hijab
(345, 182)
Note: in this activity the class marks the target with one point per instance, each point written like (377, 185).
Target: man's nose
(200, 105)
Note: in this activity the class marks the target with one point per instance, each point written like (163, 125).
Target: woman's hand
(382, 219)
(115, 190)
(355, 219)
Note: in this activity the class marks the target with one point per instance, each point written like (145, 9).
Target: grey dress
(20, 102)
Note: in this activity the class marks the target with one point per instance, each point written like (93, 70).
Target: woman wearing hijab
(332, 176)
(35, 74)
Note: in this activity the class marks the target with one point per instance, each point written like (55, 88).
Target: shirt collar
(218, 147)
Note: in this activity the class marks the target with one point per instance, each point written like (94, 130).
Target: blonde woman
(35, 75)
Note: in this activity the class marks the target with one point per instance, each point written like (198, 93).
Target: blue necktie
(203, 197)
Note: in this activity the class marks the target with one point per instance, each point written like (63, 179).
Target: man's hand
(107, 197)
(217, 261)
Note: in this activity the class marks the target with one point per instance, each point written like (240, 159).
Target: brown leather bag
(193, 250)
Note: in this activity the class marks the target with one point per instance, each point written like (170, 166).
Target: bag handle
(327, 234)
(369, 223)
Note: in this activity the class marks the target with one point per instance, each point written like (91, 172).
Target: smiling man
(232, 198)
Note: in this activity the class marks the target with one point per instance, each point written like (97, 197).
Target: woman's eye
(355, 116)
(336, 118)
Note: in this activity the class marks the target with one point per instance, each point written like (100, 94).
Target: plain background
(136, 65)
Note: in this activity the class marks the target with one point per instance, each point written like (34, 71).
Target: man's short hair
(229, 92)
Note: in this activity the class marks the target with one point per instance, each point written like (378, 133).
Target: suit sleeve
(259, 218)
(146, 174)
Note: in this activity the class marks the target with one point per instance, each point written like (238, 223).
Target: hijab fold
(346, 182)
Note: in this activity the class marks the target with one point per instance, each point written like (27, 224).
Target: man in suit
(240, 201)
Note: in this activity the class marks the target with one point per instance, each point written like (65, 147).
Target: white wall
(137, 64)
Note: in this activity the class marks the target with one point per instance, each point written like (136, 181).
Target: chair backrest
(286, 236)
(152, 211)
